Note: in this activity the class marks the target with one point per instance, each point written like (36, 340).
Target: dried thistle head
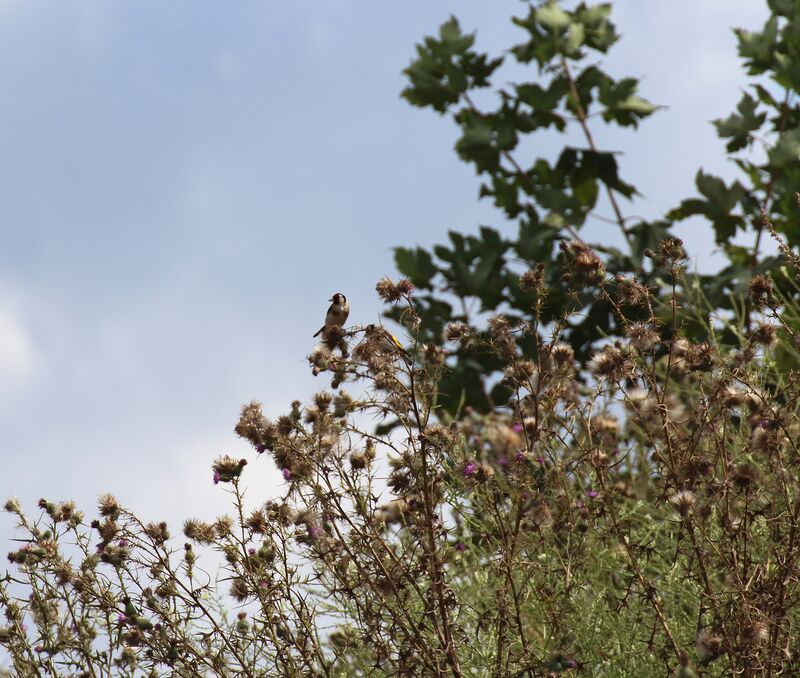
(765, 334)
(746, 477)
(670, 254)
(642, 336)
(699, 357)
(457, 331)
(612, 363)
(199, 531)
(762, 292)
(388, 291)
(227, 469)
(532, 280)
(708, 645)
(582, 265)
(683, 501)
(520, 373)
(630, 292)
(563, 355)
(108, 505)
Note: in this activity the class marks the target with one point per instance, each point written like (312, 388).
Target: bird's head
(338, 298)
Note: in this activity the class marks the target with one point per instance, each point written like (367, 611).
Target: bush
(637, 515)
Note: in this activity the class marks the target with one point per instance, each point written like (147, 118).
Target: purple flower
(517, 428)
(592, 494)
(123, 543)
(461, 546)
(120, 618)
(541, 459)
(287, 474)
(260, 448)
(502, 461)
(470, 469)
(519, 456)
(314, 532)
(251, 551)
(217, 477)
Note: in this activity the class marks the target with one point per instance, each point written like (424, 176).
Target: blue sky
(183, 185)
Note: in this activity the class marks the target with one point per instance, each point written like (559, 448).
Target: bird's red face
(338, 298)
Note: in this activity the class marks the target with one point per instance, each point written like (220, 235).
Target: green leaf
(417, 264)
(738, 126)
(622, 104)
(717, 207)
(604, 165)
(722, 198)
(477, 145)
(551, 16)
(787, 150)
(446, 68)
(635, 104)
(759, 49)
(600, 32)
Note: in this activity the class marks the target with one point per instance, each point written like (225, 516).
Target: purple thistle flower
(314, 532)
(502, 461)
(461, 546)
(217, 477)
(120, 618)
(470, 469)
(287, 474)
(123, 543)
(260, 448)
(517, 427)
(541, 459)
(519, 456)
(592, 494)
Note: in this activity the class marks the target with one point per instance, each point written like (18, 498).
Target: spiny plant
(634, 514)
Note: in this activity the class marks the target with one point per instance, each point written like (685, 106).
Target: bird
(337, 313)
(391, 344)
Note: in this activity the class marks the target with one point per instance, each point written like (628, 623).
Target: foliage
(552, 199)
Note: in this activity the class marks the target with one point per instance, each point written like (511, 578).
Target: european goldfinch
(391, 344)
(337, 313)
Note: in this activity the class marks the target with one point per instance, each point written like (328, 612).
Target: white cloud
(17, 354)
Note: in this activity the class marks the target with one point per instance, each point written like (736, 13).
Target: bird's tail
(319, 331)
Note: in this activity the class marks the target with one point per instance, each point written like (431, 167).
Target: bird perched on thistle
(337, 313)
(386, 340)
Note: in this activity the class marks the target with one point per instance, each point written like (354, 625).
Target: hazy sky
(184, 184)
